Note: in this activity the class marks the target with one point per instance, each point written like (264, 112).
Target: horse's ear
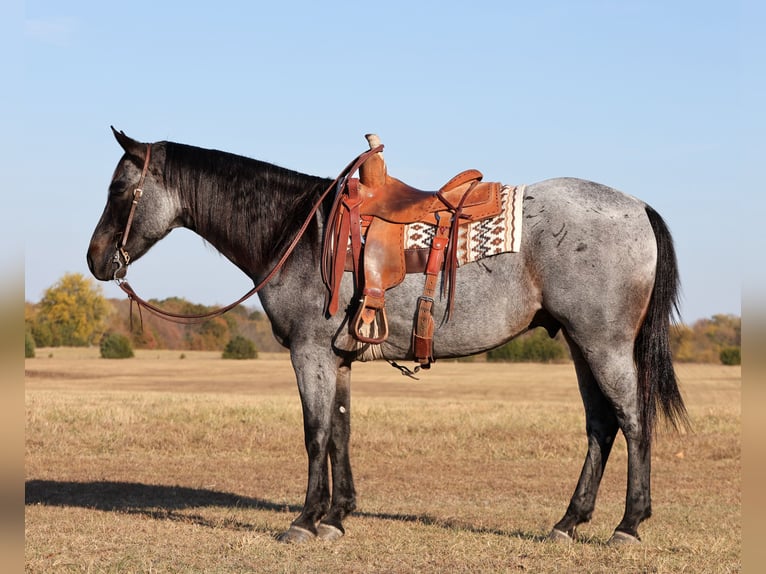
(131, 146)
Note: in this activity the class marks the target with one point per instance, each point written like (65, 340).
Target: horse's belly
(494, 300)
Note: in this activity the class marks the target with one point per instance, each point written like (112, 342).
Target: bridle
(122, 238)
(338, 184)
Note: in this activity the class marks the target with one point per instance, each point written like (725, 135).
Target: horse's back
(587, 259)
(577, 201)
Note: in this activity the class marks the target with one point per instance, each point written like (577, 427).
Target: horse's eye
(116, 188)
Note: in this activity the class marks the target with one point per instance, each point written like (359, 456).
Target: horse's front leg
(316, 372)
(343, 492)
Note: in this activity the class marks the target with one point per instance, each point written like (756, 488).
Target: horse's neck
(249, 231)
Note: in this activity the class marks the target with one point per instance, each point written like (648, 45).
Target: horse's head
(139, 210)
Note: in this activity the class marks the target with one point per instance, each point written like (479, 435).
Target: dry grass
(162, 464)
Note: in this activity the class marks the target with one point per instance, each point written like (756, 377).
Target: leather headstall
(123, 237)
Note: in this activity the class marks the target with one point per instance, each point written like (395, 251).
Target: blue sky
(660, 99)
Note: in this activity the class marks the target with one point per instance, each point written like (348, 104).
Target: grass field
(168, 464)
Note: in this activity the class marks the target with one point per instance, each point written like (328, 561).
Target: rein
(338, 184)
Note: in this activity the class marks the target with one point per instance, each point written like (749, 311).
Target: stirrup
(371, 308)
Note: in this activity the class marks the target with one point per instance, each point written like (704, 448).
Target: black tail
(657, 384)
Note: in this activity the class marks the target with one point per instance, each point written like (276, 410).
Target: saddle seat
(366, 230)
(398, 202)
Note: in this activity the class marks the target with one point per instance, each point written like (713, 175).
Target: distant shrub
(115, 346)
(29, 345)
(240, 348)
(731, 356)
(535, 347)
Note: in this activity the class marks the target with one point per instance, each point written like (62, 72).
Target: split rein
(338, 184)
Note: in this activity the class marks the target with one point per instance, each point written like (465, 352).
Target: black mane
(235, 200)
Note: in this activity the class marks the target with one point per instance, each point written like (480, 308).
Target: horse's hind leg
(343, 493)
(614, 373)
(601, 428)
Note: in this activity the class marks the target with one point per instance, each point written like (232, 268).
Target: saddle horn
(373, 172)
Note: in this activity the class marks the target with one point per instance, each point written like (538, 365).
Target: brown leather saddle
(365, 234)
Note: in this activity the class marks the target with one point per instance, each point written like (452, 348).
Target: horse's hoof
(296, 535)
(557, 535)
(619, 538)
(328, 532)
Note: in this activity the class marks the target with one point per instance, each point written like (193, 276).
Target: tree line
(715, 340)
(74, 313)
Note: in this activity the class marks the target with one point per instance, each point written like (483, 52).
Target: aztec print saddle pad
(478, 239)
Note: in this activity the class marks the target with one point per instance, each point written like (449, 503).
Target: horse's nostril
(90, 262)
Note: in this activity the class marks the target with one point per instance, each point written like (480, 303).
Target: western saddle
(365, 235)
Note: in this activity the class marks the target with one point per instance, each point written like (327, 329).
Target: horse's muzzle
(101, 261)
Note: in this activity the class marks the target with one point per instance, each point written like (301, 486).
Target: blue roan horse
(594, 263)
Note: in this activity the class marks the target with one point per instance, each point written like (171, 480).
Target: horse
(594, 263)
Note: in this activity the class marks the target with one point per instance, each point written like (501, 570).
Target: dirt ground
(169, 464)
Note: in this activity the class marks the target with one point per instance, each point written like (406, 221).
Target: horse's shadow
(169, 503)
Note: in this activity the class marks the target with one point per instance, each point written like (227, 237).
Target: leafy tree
(240, 348)
(210, 334)
(71, 313)
(115, 346)
(707, 339)
(724, 330)
(42, 335)
(683, 343)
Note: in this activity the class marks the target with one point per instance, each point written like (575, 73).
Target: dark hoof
(557, 535)
(296, 535)
(328, 532)
(620, 538)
